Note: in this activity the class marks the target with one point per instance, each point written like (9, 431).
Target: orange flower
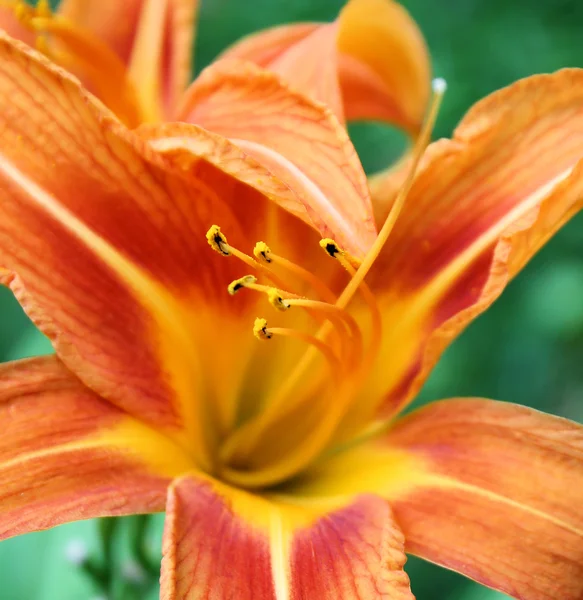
(282, 464)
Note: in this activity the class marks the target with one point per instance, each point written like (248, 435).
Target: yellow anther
(43, 9)
(260, 329)
(23, 12)
(331, 247)
(262, 252)
(335, 251)
(217, 240)
(240, 283)
(276, 300)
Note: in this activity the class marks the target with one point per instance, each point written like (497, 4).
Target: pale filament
(349, 334)
(218, 242)
(354, 343)
(263, 252)
(376, 319)
(263, 332)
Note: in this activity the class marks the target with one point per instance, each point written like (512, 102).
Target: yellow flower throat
(339, 340)
(348, 357)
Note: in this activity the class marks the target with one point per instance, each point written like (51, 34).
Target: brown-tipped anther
(276, 300)
(217, 240)
(331, 247)
(240, 283)
(260, 329)
(262, 252)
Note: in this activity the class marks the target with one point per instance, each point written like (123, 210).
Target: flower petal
(67, 455)
(297, 139)
(374, 52)
(10, 24)
(490, 489)
(316, 78)
(154, 38)
(108, 242)
(385, 70)
(480, 207)
(228, 544)
(513, 478)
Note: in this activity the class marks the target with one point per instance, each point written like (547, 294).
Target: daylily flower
(283, 464)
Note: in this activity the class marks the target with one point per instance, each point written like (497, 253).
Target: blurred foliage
(528, 348)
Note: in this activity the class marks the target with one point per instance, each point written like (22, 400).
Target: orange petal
(385, 70)
(288, 50)
(481, 206)
(490, 489)
(374, 52)
(503, 503)
(67, 455)
(297, 139)
(153, 38)
(108, 242)
(227, 544)
(317, 78)
(264, 47)
(10, 24)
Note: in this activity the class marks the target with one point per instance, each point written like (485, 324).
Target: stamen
(276, 300)
(274, 295)
(218, 242)
(334, 250)
(240, 283)
(351, 346)
(347, 329)
(261, 332)
(357, 280)
(263, 252)
(439, 87)
(260, 329)
(43, 9)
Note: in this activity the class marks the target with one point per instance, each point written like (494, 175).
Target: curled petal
(481, 205)
(373, 60)
(385, 70)
(228, 544)
(490, 489)
(297, 139)
(81, 458)
(86, 207)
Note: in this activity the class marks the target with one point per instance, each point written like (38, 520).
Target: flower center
(348, 358)
(83, 53)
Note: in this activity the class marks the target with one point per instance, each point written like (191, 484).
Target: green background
(528, 348)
